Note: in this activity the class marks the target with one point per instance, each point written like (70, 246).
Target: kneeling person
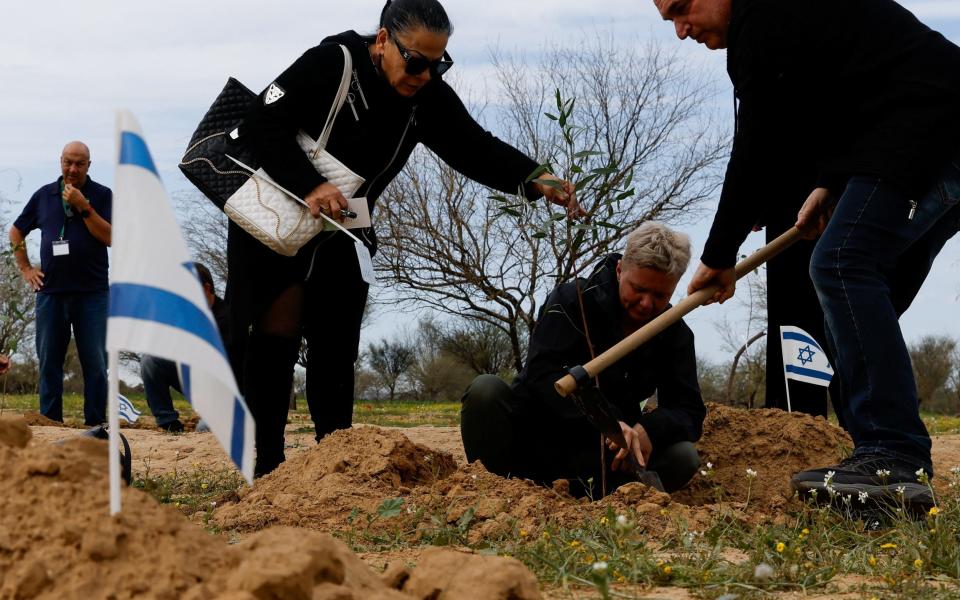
(528, 430)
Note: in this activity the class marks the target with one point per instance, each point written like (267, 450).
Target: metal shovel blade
(599, 412)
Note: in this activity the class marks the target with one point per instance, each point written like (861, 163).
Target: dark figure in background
(876, 95)
(398, 100)
(528, 430)
(73, 216)
(160, 374)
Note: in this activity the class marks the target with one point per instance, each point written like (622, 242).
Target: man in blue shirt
(73, 216)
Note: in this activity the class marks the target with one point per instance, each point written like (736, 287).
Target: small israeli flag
(157, 305)
(803, 358)
(127, 410)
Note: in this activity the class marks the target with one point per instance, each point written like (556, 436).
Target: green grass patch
(193, 489)
(389, 414)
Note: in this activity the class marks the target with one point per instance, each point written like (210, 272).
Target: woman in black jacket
(397, 99)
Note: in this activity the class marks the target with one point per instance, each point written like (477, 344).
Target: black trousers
(333, 304)
(511, 442)
(791, 300)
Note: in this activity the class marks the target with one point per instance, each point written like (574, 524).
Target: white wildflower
(703, 473)
(863, 497)
(622, 521)
(883, 473)
(710, 466)
(828, 478)
(763, 572)
(751, 473)
(600, 567)
(901, 489)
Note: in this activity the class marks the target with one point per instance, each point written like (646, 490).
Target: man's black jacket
(665, 365)
(866, 87)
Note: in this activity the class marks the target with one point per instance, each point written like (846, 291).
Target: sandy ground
(156, 452)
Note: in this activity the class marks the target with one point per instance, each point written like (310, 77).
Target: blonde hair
(653, 245)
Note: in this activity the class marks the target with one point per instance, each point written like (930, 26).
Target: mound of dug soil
(340, 484)
(56, 541)
(774, 443)
(350, 471)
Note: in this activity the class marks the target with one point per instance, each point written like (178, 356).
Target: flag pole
(786, 381)
(113, 422)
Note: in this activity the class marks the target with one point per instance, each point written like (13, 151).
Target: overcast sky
(66, 66)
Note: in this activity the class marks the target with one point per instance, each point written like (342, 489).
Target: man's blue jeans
(159, 375)
(86, 313)
(867, 268)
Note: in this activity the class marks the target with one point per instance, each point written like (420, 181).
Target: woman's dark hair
(399, 16)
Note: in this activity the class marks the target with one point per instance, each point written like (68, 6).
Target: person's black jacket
(376, 130)
(665, 365)
(868, 89)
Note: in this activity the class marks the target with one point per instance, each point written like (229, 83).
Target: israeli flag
(803, 358)
(157, 304)
(127, 410)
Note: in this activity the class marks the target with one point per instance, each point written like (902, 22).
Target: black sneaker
(866, 479)
(174, 426)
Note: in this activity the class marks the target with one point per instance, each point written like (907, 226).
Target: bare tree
(482, 347)
(632, 137)
(933, 358)
(436, 374)
(205, 229)
(390, 360)
(746, 378)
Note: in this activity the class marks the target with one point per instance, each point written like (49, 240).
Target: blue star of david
(806, 355)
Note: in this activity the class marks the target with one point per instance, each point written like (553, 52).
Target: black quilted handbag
(205, 162)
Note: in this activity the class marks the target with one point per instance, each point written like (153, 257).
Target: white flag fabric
(157, 305)
(127, 409)
(803, 358)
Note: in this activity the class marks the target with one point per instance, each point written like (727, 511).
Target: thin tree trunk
(736, 360)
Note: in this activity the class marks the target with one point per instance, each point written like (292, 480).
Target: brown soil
(773, 443)
(340, 483)
(56, 541)
(35, 418)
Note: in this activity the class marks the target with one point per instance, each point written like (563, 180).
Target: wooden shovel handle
(567, 384)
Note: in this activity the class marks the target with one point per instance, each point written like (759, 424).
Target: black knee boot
(268, 377)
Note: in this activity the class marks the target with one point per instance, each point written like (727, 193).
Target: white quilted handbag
(277, 217)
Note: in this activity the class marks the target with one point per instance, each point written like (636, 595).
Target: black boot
(268, 377)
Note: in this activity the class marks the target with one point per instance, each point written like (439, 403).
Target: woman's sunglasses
(417, 63)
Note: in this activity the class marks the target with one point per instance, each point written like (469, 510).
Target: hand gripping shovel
(590, 401)
(595, 406)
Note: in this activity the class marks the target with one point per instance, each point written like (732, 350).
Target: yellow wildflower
(888, 546)
(523, 533)
(781, 546)
(934, 511)
(574, 544)
(805, 531)
(872, 560)
(667, 569)
(918, 564)
(604, 520)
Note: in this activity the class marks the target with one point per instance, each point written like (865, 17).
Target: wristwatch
(84, 213)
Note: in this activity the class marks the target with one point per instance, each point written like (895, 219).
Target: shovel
(591, 402)
(595, 406)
